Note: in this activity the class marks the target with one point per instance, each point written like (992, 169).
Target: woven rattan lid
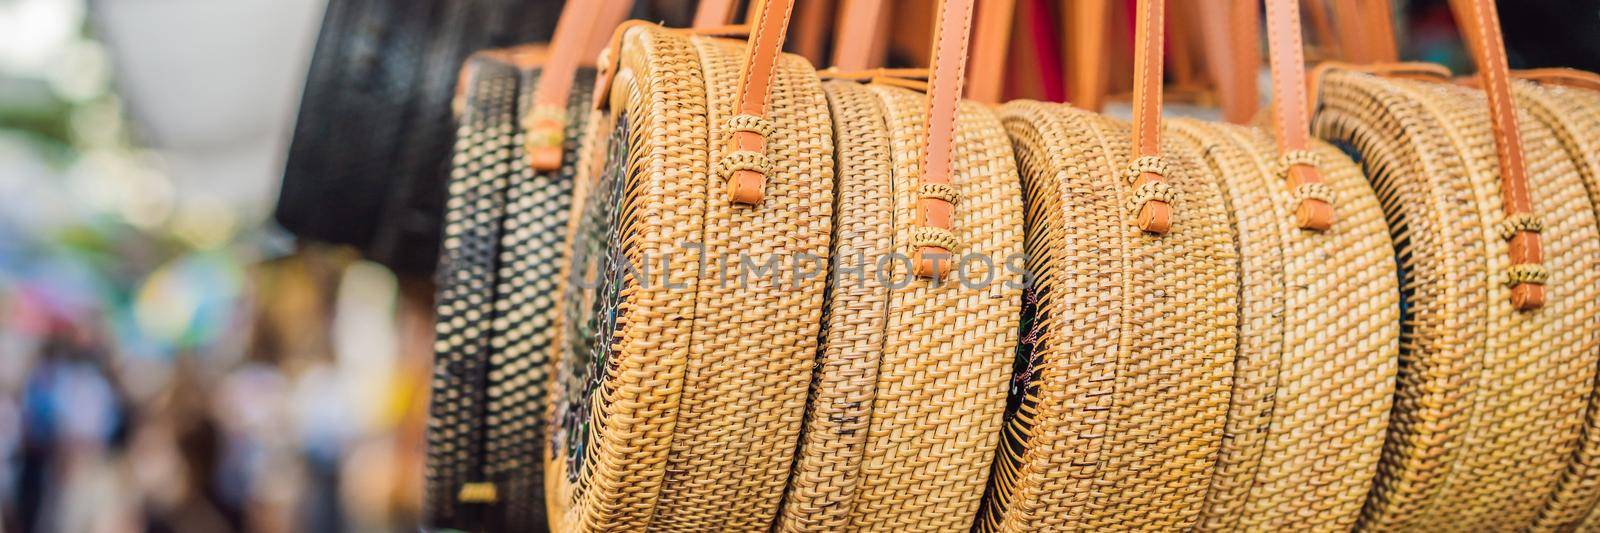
(1490, 400)
(682, 396)
(1319, 334)
(1124, 373)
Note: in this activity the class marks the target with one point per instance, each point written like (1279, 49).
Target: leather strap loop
(1154, 216)
(1565, 77)
(546, 122)
(952, 32)
(857, 46)
(1480, 24)
(1291, 119)
(991, 40)
(767, 32)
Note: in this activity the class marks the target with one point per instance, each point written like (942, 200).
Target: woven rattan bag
(1318, 314)
(690, 330)
(1497, 239)
(505, 222)
(1124, 373)
(911, 379)
(1568, 102)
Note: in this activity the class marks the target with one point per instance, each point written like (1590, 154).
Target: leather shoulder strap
(936, 199)
(1148, 168)
(990, 41)
(713, 13)
(1291, 119)
(546, 122)
(1480, 24)
(856, 47)
(1560, 76)
(745, 163)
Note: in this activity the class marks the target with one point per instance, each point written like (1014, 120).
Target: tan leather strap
(813, 22)
(1378, 19)
(1088, 62)
(1233, 55)
(936, 212)
(546, 122)
(1480, 24)
(750, 124)
(1154, 212)
(711, 12)
(990, 41)
(856, 47)
(1290, 116)
(1560, 76)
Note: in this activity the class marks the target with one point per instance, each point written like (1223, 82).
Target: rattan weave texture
(1490, 401)
(695, 384)
(1319, 332)
(1119, 405)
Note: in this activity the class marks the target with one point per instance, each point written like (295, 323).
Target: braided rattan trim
(1148, 164)
(743, 160)
(751, 123)
(935, 237)
(1527, 273)
(1321, 192)
(1298, 157)
(939, 191)
(1159, 191)
(545, 126)
(1510, 226)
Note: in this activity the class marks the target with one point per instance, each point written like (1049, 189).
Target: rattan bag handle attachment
(1152, 201)
(575, 38)
(1480, 24)
(1292, 123)
(935, 242)
(1480, 27)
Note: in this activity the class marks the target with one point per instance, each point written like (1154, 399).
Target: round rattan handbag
(505, 222)
(1319, 314)
(1497, 360)
(691, 324)
(910, 384)
(1568, 102)
(1123, 376)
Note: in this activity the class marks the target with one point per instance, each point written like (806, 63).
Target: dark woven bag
(371, 147)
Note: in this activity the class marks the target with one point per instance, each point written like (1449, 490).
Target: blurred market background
(172, 360)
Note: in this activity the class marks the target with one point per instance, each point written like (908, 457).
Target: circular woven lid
(504, 237)
(1319, 335)
(1125, 367)
(1573, 115)
(1490, 401)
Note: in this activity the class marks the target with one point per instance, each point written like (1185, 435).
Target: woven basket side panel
(1053, 439)
(1341, 338)
(1252, 205)
(755, 335)
(1418, 179)
(1538, 367)
(1169, 376)
(662, 97)
(948, 348)
(485, 149)
(1176, 373)
(1574, 117)
(1525, 384)
(827, 469)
